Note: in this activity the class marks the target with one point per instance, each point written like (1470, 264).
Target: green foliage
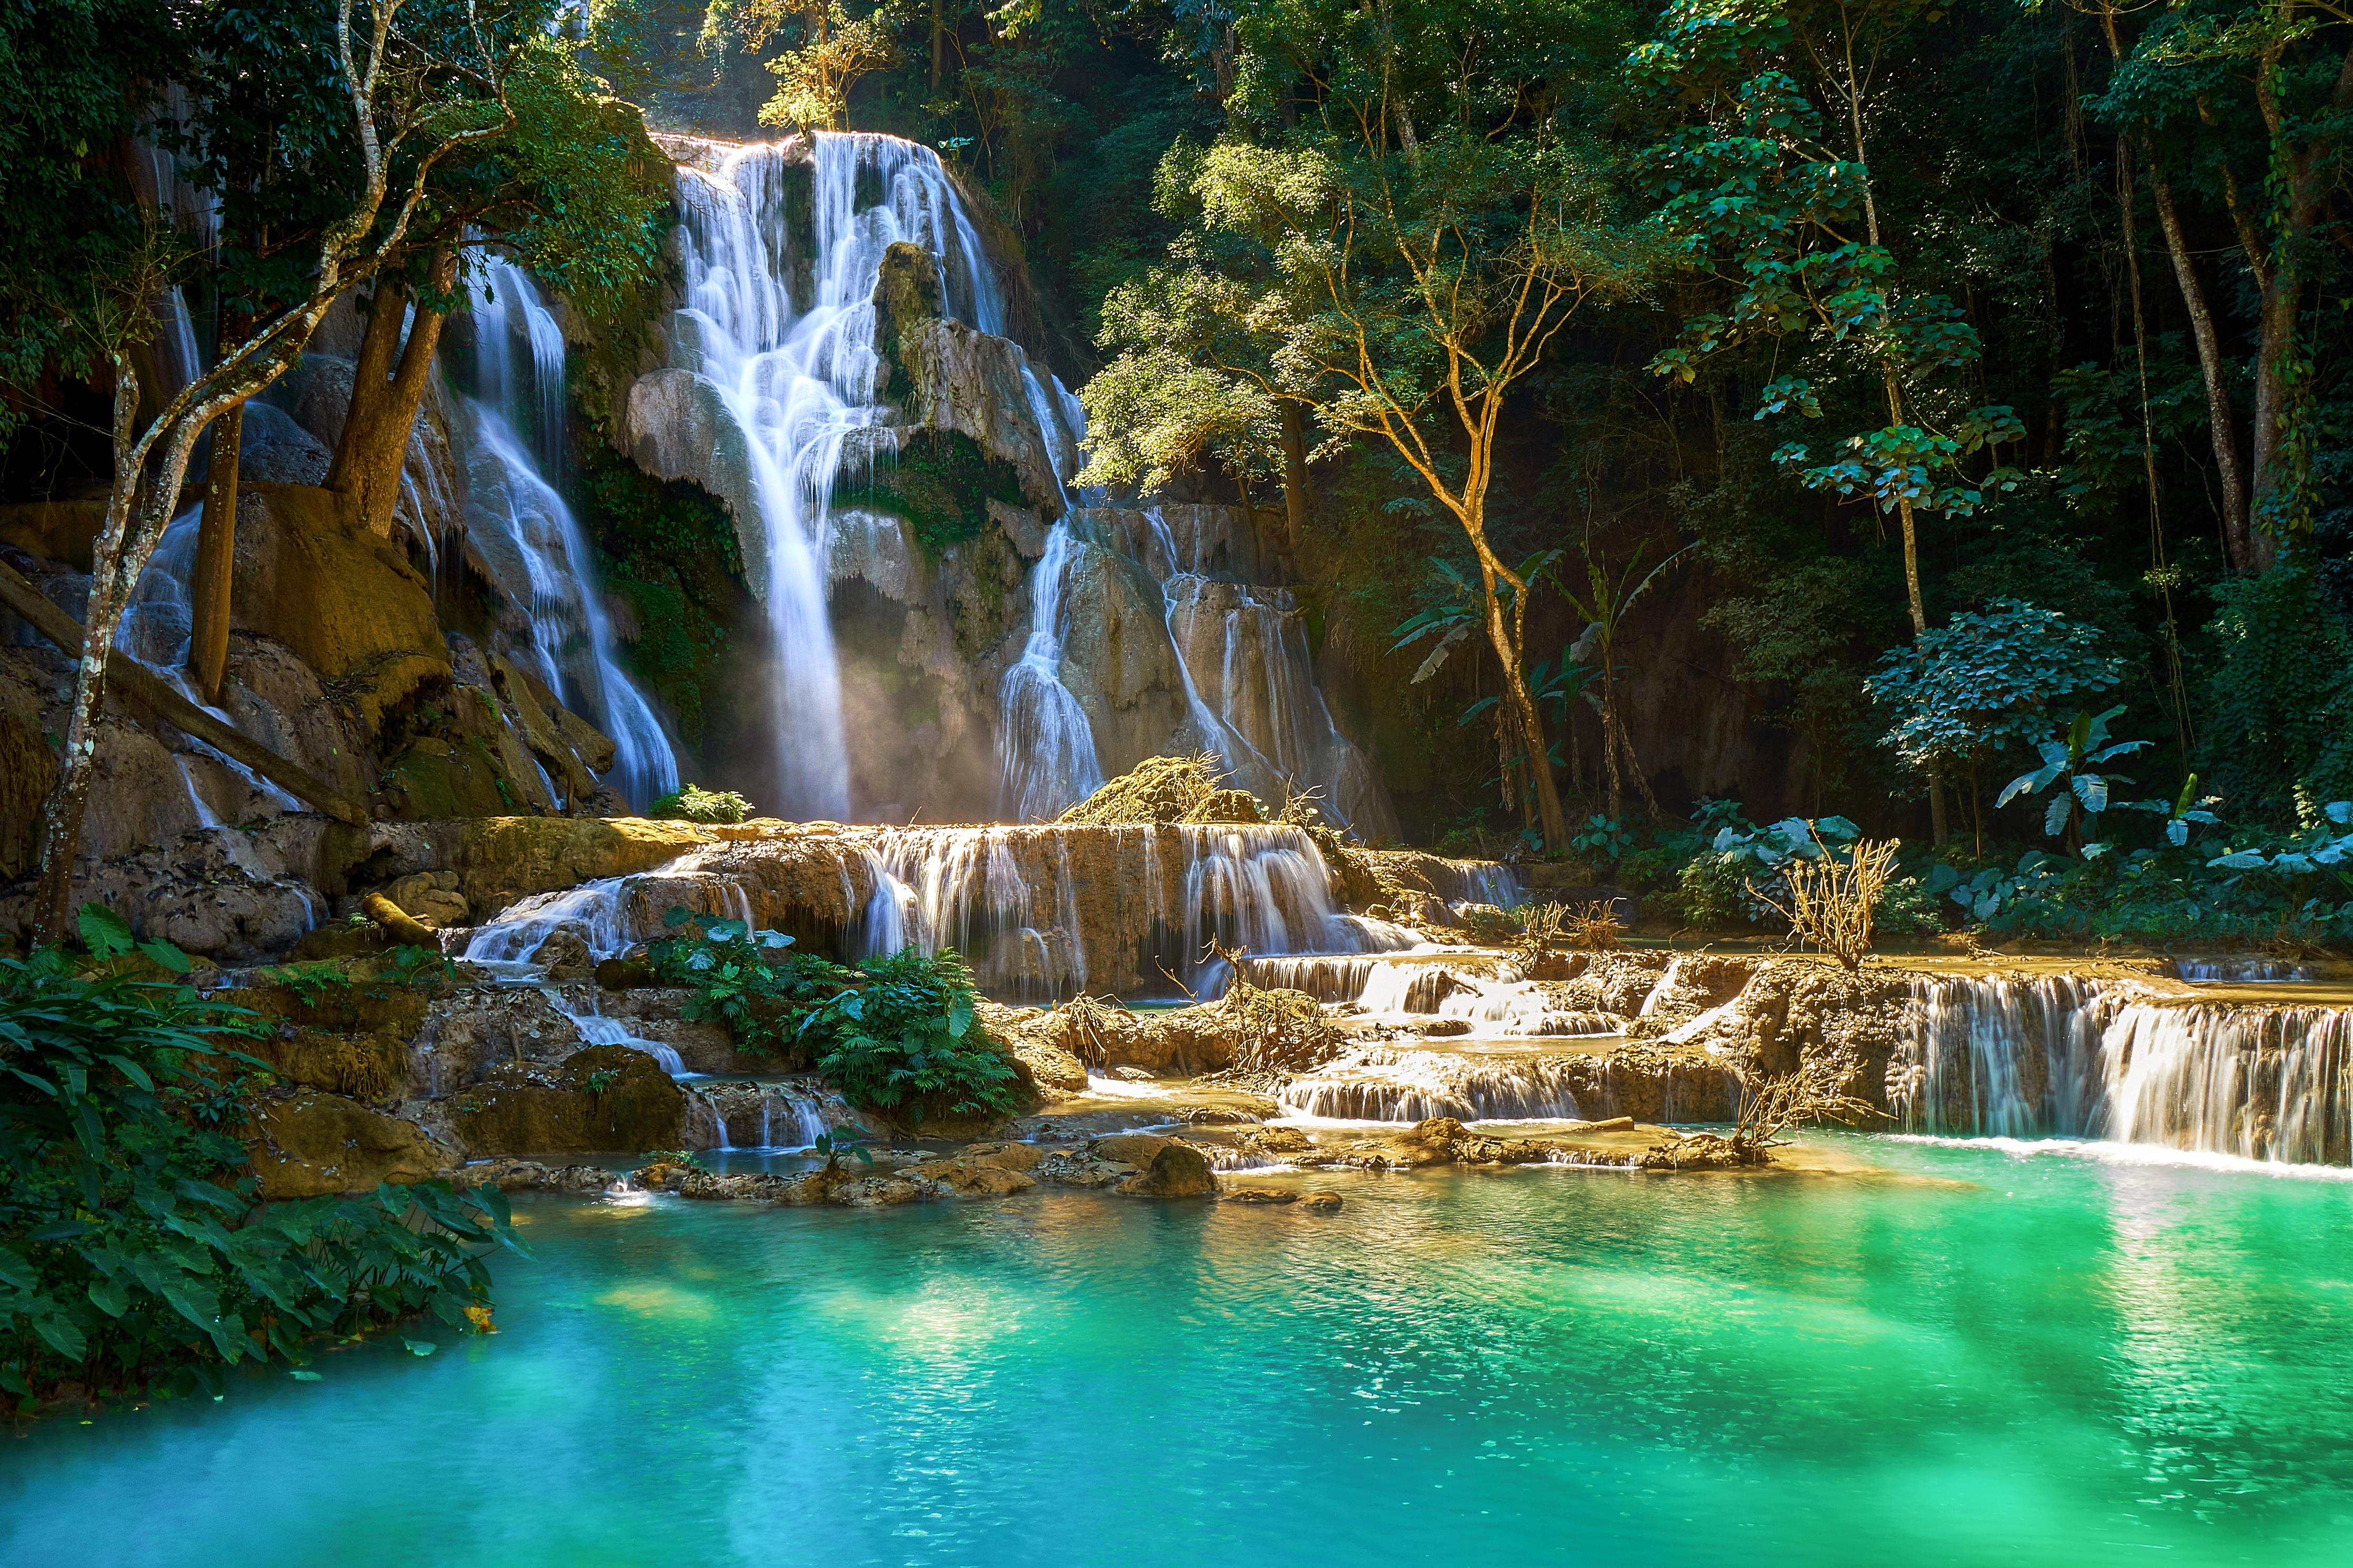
(690, 803)
(846, 1140)
(1759, 183)
(2076, 758)
(905, 1037)
(753, 982)
(670, 549)
(941, 484)
(74, 75)
(2277, 721)
(136, 1258)
(1985, 682)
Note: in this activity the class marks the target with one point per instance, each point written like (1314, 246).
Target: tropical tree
(409, 97)
(1393, 278)
(1764, 181)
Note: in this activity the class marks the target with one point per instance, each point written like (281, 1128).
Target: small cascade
(769, 1118)
(2272, 1084)
(530, 534)
(1377, 1084)
(2240, 971)
(2015, 1058)
(1039, 911)
(598, 912)
(1050, 747)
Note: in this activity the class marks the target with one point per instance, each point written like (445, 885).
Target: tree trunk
(2211, 368)
(385, 396)
(1531, 726)
(939, 42)
(1939, 823)
(208, 594)
(1294, 474)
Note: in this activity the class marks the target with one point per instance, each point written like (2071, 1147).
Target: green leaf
(301, 1375)
(104, 933)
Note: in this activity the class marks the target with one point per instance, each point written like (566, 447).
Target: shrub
(1713, 892)
(904, 1037)
(136, 1257)
(1831, 902)
(689, 804)
(753, 982)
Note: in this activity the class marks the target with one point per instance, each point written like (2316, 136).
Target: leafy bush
(753, 982)
(1713, 892)
(1906, 908)
(1985, 683)
(904, 1038)
(136, 1257)
(896, 1033)
(690, 804)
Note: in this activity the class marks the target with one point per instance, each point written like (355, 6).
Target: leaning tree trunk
(388, 386)
(2213, 373)
(209, 594)
(1523, 712)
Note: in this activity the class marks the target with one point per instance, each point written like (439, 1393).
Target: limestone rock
(431, 896)
(1128, 681)
(965, 1178)
(679, 427)
(1177, 1171)
(501, 859)
(1022, 526)
(976, 383)
(310, 1143)
(602, 1098)
(345, 602)
(875, 1192)
(1258, 1195)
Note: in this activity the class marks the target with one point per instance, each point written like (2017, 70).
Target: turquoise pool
(1980, 1358)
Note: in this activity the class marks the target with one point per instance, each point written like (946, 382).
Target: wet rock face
(467, 1035)
(308, 1144)
(602, 1098)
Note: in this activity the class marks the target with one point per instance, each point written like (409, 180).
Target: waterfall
(524, 526)
(1035, 908)
(1375, 1084)
(1048, 746)
(519, 520)
(2079, 1058)
(786, 338)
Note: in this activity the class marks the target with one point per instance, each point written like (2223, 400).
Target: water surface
(2022, 1359)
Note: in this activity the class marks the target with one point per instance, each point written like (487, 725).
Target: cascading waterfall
(2082, 1059)
(1248, 677)
(799, 380)
(1008, 899)
(523, 525)
(1049, 746)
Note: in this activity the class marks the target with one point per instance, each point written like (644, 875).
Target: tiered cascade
(2078, 1059)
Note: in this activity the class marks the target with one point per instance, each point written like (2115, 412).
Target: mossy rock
(366, 1066)
(309, 1144)
(501, 859)
(611, 1098)
(345, 995)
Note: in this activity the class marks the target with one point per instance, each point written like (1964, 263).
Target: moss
(941, 484)
(669, 548)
